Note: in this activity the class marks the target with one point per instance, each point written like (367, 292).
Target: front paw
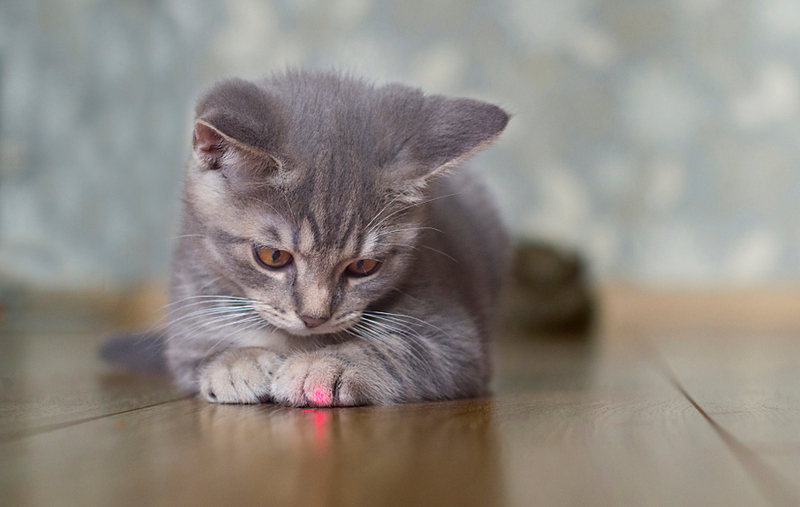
(322, 380)
(239, 375)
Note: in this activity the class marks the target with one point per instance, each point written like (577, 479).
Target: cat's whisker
(392, 350)
(289, 207)
(405, 330)
(406, 294)
(206, 296)
(215, 302)
(209, 283)
(266, 325)
(168, 318)
(224, 339)
(212, 305)
(226, 319)
(204, 327)
(345, 320)
(395, 329)
(426, 201)
(251, 323)
(274, 209)
(391, 325)
(367, 227)
(440, 252)
(401, 245)
(213, 311)
(390, 339)
(386, 233)
(400, 316)
(199, 309)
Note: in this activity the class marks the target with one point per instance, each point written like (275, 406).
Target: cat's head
(310, 188)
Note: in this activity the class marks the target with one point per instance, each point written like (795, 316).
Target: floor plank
(628, 438)
(51, 380)
(749, 388)
(570, 424)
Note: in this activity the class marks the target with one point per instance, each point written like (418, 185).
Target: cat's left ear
(453, 130)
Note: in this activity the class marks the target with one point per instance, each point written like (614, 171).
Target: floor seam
(780, 491)
(32, 432)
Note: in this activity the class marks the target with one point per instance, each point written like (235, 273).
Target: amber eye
(362, 267)
(272, 258)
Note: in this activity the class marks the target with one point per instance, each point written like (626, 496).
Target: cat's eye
(272, 257)
(362, 267)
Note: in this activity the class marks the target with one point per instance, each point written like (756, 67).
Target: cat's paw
(239, 375)
(322, 380)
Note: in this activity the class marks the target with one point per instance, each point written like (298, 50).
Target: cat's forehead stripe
(316, 234)
(305, 238)
(273, 234)
(224, 237)
(347, 240)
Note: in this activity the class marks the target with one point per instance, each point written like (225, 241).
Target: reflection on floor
(652, 410)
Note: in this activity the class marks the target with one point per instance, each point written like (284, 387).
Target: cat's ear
(208, 144)
(217, 151)
(451, 131)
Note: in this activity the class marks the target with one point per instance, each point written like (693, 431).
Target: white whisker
(408, 207)
(386, 233)
(400, 316)
(411, 343)
(381, 211)
(440, 252)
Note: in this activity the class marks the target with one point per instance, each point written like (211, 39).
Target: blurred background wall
(660, 138)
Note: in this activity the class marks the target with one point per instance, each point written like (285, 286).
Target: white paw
(240, 375)
(321, 380)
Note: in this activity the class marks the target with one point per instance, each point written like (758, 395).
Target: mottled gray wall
(660, 137)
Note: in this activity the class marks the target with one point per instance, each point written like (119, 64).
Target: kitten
(332, 251)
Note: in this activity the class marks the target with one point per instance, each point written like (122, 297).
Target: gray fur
(333, 169)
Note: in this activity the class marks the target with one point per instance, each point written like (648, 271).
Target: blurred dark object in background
(548, 292)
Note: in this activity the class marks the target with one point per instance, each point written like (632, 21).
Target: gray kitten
(332, 251)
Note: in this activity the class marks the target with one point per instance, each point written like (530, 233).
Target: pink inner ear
(207, 141)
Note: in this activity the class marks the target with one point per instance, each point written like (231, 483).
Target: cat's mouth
(305, 326)
(299, 325)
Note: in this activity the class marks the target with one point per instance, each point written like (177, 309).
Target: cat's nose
(313, 321)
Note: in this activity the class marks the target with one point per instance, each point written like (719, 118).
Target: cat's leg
(239, 375)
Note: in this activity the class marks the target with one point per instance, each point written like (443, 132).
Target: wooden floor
(671, 403)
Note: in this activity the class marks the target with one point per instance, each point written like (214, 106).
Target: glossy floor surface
(639, 415)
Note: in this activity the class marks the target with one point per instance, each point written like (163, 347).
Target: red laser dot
(309, 410)
(320, 397)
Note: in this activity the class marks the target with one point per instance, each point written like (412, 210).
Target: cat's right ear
(217, 151)
(208, 144)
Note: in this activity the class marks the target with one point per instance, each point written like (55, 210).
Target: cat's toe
(314, 381)
(307, 380)
(237, 377)
(322, 385)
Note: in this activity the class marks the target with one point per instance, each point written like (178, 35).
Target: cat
(334, 251)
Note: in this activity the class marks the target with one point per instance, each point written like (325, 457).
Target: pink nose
(312, 321)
